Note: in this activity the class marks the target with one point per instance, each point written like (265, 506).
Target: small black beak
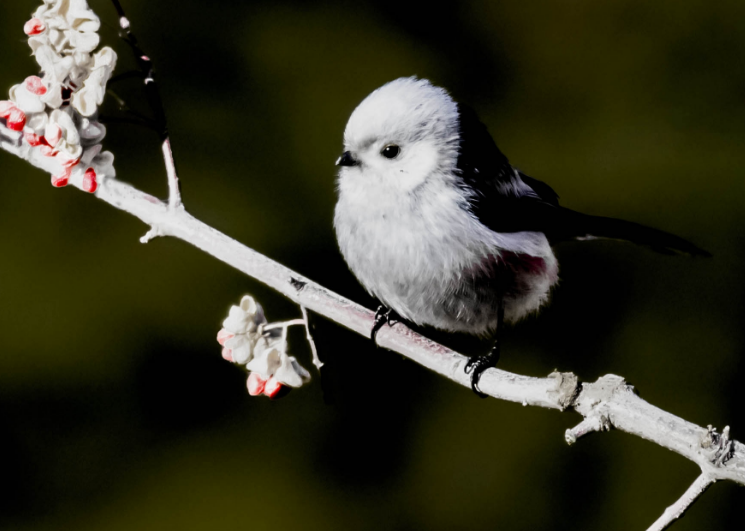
(347, 160)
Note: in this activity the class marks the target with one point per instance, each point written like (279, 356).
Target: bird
(442, 230)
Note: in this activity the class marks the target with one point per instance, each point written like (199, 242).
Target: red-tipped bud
(273, 389)
(53, 134)
(32, 139)
(15, 117)
(255, 384)
(35, 85)
(90, 184)
(64, 161)
(223, 335)
(34, 27)
(227, 354)
(58, 181)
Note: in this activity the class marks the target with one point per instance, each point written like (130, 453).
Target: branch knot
(566, 390)
(718, 447)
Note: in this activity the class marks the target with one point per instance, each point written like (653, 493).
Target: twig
(152, 93)
(590, 424)
(283, 324)
(174, 187)
(679, 508)
(316, 360)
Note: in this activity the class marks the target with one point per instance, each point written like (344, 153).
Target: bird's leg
(478, 364)
(383, 316)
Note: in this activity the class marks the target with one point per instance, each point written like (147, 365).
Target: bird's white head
(401, 135)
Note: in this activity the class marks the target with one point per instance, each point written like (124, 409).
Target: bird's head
(402, 135)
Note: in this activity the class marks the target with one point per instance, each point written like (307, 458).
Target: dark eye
(391, 151)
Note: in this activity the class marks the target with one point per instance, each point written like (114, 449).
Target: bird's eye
(391, 151)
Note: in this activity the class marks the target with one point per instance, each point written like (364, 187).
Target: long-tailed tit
(437, 224)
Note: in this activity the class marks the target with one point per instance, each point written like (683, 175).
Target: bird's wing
(506, 200)
(502, 198)
(544, 192)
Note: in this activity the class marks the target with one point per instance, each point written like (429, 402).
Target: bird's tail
(584, 226)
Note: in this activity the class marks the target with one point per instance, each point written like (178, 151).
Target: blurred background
(117, 411)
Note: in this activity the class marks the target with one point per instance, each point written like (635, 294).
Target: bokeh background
(116, 409)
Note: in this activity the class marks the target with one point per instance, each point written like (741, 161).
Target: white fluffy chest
(392, 242)
(425, 256)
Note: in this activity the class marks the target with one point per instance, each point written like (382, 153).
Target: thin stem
(152, 94)
(679, 508)
(119, 101)
(283, 324)
(316, 360)
(119, 10)
(174, 187)
(284, 338)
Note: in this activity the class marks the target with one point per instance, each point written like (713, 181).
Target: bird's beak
(347, 160)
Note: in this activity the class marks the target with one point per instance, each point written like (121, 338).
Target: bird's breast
(432, 262)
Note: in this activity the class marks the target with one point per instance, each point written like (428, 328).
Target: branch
(605, 404)
(679, 508)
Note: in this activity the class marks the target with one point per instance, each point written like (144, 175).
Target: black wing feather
(544, 191)
(491, 180)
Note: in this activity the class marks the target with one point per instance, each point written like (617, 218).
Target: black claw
(383, 316)
(477, 365)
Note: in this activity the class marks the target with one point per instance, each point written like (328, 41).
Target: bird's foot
(477, 365)
(383, 316)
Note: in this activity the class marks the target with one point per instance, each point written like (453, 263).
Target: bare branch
(609, 402)
(679, 508)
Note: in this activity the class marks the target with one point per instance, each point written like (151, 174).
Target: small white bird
(440, 228)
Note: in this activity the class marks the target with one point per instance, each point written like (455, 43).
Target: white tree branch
(677, 509)
(607, 403)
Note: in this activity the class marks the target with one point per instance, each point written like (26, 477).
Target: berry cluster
(55, 112)
(247, 339)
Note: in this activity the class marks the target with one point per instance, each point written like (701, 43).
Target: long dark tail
(581, 226)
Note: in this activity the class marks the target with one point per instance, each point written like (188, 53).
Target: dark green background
(116, 410)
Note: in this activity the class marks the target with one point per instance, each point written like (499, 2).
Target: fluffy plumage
(446, 228)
